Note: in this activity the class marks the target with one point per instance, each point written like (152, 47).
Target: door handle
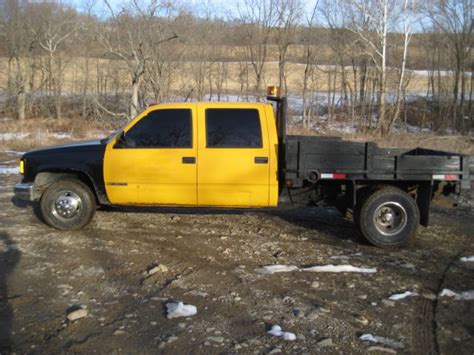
(189, 160)
(261, 160)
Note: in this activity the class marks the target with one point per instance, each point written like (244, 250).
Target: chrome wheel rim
(67, 205)
(390, 218)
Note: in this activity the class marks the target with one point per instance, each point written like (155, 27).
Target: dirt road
(212, 259)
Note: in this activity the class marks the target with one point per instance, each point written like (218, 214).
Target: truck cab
(195, 154)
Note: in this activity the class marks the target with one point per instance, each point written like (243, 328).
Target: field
(215, 260)
(112, 76)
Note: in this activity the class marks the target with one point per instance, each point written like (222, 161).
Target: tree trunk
(258, 83)
(58, 88)
(400, 82)
(383, 71)
(21, 104)
(86, 87)
(134, 99)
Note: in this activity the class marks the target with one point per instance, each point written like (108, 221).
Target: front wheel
(388, 217)
(68, 205)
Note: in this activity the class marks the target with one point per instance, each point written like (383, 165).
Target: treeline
(110, 59)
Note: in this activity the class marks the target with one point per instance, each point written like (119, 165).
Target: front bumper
(24, 191)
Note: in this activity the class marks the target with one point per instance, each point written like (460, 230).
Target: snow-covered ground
(7, 170)
(400, 296)
(10, 136)
(273, 269)
(9, 162)
(382, 340)
(278, 332)
(460, 296)
(179, 309)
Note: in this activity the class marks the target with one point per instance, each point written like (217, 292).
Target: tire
(68, 205)
(388, 217)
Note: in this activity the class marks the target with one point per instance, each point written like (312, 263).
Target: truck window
(166, 128)
(233, 128)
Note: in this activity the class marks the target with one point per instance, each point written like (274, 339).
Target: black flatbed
(306, 155)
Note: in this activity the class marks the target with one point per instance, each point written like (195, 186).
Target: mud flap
(423, 200)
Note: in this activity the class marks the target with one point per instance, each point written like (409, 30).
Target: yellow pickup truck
(238, 155)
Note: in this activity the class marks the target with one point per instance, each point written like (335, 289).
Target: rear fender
(424, 195)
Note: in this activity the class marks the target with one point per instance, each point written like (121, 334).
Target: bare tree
(408, 18)
(310, 59)
(128, 36)
(259, 18)
(289, 14)
(19, 44)
(455, 19)
(372, 32)
(53, 25)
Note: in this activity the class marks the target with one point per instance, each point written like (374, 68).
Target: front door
(154, 163)
(233, 156)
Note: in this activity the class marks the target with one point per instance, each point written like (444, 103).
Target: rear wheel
(388, 217)
(68, 205)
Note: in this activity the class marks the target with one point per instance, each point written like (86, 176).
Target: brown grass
(45, 132)
(115, 76)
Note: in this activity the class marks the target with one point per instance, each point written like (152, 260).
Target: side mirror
(121, 141)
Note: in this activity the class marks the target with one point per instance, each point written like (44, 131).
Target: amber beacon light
(273, 91)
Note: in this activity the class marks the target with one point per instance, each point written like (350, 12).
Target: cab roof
(218, 104)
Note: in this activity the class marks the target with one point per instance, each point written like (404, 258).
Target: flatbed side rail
(307, 157)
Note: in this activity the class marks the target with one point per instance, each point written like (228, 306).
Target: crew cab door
(233, 156)
(154, 163)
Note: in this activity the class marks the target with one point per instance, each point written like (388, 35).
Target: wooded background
(377, 64)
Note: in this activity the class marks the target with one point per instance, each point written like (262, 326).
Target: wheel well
(421, 191)
(46, 178)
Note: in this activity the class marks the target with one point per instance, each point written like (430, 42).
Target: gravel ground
(106, 288)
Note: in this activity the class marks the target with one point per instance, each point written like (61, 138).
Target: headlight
(22, 167)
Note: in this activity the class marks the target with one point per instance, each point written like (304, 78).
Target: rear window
(233, 128)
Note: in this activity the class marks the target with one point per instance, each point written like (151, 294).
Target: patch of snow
(400, 296)
(381, 340)
(462, 296)
(339, 268)
(14, 152)
(7, 170)
(467, 259)
(447, 293)
(60, 135)
(467, 295)
(12, 136)
(277, 332)
(180, 309)
(441, 72)
(272, 269)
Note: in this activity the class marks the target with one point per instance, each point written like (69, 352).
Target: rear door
(157, 166)
(233, 156)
